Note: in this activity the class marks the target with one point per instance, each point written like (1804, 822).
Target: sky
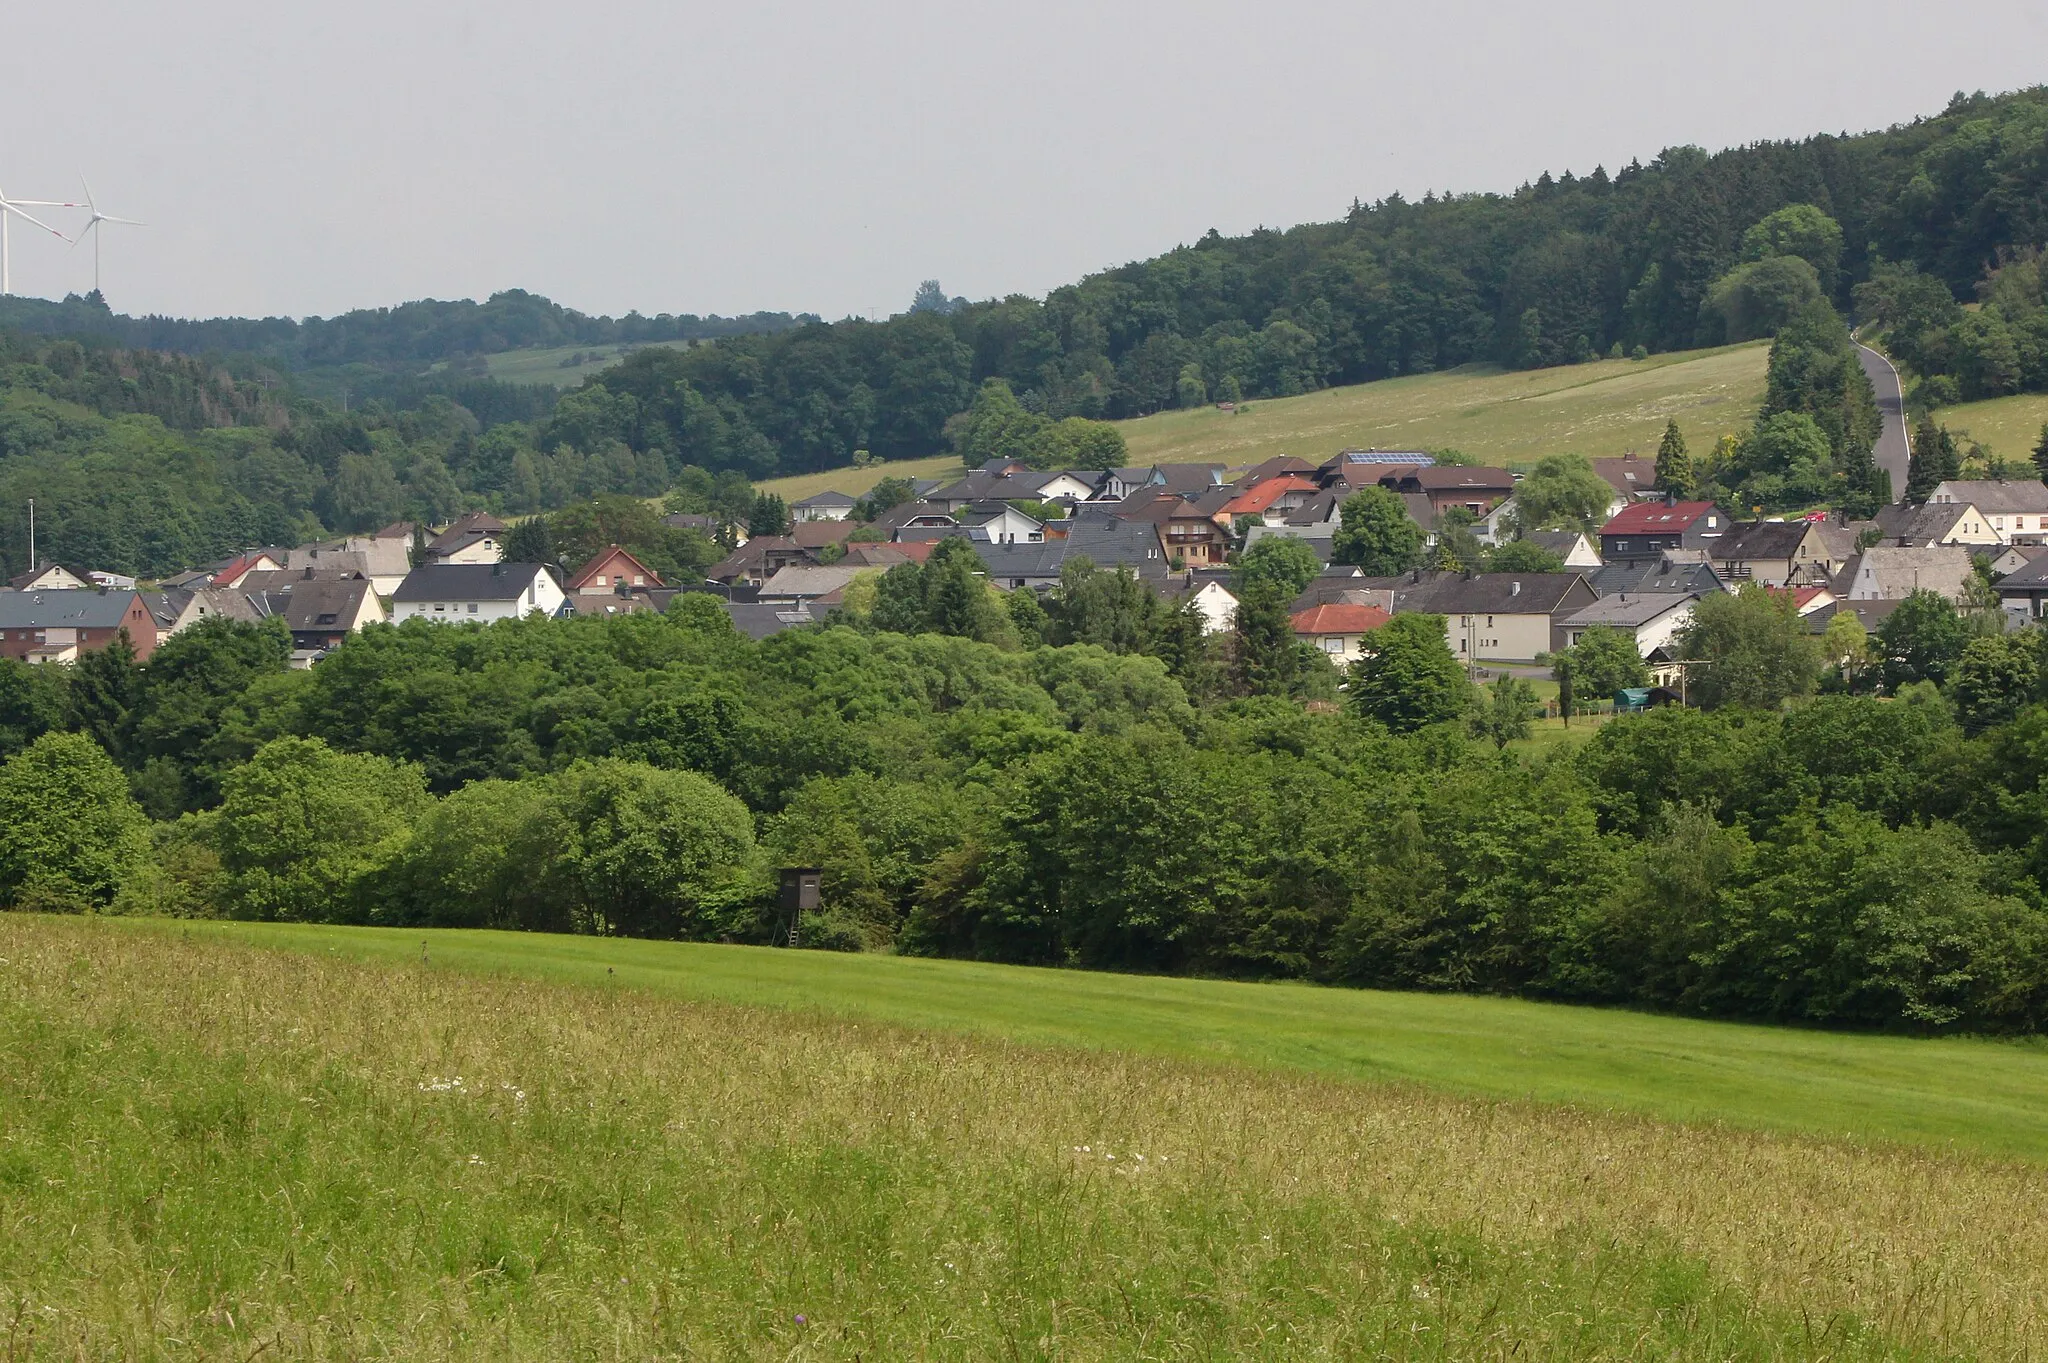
(677, 157)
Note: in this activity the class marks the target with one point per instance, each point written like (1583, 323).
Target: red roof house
(1338, 628)
(1646, 529)
(611, 571)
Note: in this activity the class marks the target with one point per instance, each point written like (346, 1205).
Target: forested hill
(1665, 256)
(408, 336)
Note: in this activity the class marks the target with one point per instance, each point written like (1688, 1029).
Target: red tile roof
(609, 563)
(1651, 518)
(1339, 617)
(1252, 502)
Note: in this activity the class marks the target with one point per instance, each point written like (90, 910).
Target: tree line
(1086, 781)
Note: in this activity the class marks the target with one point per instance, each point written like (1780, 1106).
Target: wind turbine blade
(83, 233)
(11, 206)
(88, 193)
(44, 203)
(125, 222)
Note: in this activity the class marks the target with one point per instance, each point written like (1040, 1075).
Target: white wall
(1497, 638)
(544, 595)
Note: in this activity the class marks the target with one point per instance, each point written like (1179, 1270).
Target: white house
(1339, 629)
(478, 537)
(476, 591)
(2016, 512)
(822, 506)
(1654, 618)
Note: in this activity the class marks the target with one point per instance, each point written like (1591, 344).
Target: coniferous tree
(1674, 466)
(2041, 453)
(1268, 659)
(1935, 460)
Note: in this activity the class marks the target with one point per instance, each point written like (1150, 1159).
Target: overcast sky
(680, 157)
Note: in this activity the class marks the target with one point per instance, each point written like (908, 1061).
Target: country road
(1893, 450)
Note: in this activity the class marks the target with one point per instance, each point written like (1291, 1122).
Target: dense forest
(152, 445)
(1090, 781)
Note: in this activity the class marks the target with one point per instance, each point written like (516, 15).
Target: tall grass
(215, 1151)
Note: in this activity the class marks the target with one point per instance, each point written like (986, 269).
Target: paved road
(1893, 450)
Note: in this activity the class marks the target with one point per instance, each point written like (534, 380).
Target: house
(1189, 480)
(1572, 546)
(1270, 499)
(759, 559)
(705, 525)
(52, 577)
(60, 626)
(1674, 570)
(448, 592)
(1116, 485)
(1895, 572)
(2015, 557)
(323, 611)
(812, 536)
(1363, 468)
(1494, 617)
(613, 571)
(1338, 630)
(822, 506)
(1808, 600)
(478, 537)
(1279, 466)
(809, 581)
(1935, 523)
(2026, 589)
(1632, 479)
(2017, 511)
(1192, 537)
(888, 555)
(1474, 490)
(1645, 529)
(759, 619)
(1209, 589)
(1104, 541)
(1773, 553)
(231, 573)
(1654, 618)
(383, 559)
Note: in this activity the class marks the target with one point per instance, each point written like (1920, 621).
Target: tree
(655, 853)
(998, 428)
(770, 516)
(302, 830)
(931, 297)
(1800, 230)
(1562, 493)
(1108, 607)
(1520, 556)
(2041, 453)
(70, 833)
(1268, 657)
(1376, 533)
(1845, 646)
(487, 856)
(1759, 298)
(1505, 716)
(1285, 561)
(1674, 466)
(104, 686)
(883, 498)
(1996, 675)
(1921, 640)
(1754, 647)
(1189, 389)
(1408, 678)
(1602, 662)
(1935, 460)
(530, 541)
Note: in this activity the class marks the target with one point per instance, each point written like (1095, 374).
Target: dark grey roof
(759, 619)
(1761, 539)
(826, 498)
(1927, 521)
(1105, 543)
(1653, 575)
(1629, 610)
(1483, 593)
(64, 610)
(2034, 574)
(467, 582)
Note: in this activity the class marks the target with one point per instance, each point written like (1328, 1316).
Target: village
(1177, 528)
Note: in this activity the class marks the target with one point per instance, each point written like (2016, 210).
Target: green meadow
(335, 1145)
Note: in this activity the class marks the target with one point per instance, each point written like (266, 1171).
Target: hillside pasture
(853, 482)
(2008, 426)
(1503, 417)
(214, 1151)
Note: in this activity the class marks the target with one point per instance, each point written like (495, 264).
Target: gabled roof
(1261, 495)
(818, 534)
(604, 560)
(824, 499)
(1657, 518)
(1455, 478)
(1279, 466)
(65, 609)
(1629, 610)
(466, 530)
(1893, 573)
(1761, 539)
(1343, 459)
(810, 580)
(1997, 497)
(1480, 593)
(467, 582)
(323, 603)
(1189, 478)
(1931, 521)
(1628, 475)
(1674, 571)
(1339, 618)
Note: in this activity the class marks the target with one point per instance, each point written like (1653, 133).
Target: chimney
(1670, 498)
(1514, 589)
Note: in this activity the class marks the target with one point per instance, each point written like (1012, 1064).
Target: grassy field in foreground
(209, 1151)
(2008, 426)
(853, 482)
(1509, 417)
(1987, 1096)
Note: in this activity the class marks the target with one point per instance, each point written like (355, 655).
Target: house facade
(2016, 511)
(478, 537)
(61, 626)
(1653, 618)
(1338, 630)
(457, 592)
(611, 572)
(1646, 529)
(822, 506)
(1773, 553)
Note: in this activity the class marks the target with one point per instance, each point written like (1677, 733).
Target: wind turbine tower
(18, 208)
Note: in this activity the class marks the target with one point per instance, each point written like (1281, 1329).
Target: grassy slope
(1600, 409)
(2008, 426)
(214, 1152)
(544, 366)
(1984, 1095)
(853, 482)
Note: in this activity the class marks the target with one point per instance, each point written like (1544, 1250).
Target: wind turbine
(14, 208)
(93, 223)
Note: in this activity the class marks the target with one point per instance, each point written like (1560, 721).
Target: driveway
(1893, 452)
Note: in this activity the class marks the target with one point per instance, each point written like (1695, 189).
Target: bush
(70, 833)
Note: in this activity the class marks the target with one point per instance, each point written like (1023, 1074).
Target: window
(639, 580)
(598, 581)
(1332, 645)
(441, 606)
(1489, 622)
(1711, 522)
(472, 608)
